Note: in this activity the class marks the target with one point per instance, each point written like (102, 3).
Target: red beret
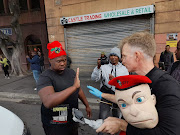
(128, 81)
(55, 50)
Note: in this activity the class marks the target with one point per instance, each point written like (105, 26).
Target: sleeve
(172, 58)
(34, 60)
(44, 81)
(4, 61)
(96, 74)
(168, 107)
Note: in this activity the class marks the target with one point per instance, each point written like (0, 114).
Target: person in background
(35, 66)
(175, 69)
(41, 60)
(104, 73)
(166, 58)
(103, 59)
(5, 66)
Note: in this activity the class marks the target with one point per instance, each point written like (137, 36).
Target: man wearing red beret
(59, 90)
(138, 51)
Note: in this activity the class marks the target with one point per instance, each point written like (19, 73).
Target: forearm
(82, 97)
(32, 60)
(55, 98)
(109, 97)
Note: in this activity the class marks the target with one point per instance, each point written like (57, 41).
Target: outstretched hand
(76, 80)
(95, 91)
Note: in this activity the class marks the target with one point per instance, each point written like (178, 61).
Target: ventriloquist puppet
(133, 96)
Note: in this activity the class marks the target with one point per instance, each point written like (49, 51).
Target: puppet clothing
(59, 118)
(167, 92)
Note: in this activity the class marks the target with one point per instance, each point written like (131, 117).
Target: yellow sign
(57, 109)
(171, 39)
(172, 43)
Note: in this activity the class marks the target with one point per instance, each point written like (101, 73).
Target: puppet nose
(134, 111)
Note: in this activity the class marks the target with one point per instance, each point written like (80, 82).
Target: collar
(119, 64)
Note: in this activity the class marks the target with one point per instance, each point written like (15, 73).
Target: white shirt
(117, 70)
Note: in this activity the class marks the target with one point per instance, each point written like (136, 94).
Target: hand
(77, 81)
(27, 56)
(95, 91)
(111, 77)
(112, 125)
(88, 111)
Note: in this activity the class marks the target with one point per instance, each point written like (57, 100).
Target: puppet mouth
(138, 122)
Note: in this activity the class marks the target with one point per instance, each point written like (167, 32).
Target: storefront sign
(7, 31)
(108, 15)
(171, 39)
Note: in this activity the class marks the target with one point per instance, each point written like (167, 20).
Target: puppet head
(133, 96)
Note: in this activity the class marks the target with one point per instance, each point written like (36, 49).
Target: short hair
(143, 40)
(167, 45)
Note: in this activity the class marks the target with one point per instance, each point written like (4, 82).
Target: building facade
(33, 25)
(87, 27)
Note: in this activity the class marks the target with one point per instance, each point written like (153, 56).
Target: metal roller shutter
(85, 41)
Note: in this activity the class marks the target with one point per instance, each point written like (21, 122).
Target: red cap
(55, 50)
(128, 81)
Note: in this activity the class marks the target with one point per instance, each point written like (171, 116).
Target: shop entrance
(32, 43)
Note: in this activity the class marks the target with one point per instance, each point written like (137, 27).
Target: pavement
(21, 89)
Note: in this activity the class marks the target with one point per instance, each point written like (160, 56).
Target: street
(29, 112)
(14, 95)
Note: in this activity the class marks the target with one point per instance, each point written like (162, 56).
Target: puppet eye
(123, 105)
(140, 99)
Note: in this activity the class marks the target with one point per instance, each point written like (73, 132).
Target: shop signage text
(6, 31)
(108, 15)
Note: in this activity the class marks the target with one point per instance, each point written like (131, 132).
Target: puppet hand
(95, 91)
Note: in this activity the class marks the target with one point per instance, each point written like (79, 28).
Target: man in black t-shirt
(59, 90)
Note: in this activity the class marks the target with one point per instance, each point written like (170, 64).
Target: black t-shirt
(167, 92)
(61, 114)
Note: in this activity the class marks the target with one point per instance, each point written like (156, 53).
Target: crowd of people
(134, 55)
(138, 51)
(59, 87)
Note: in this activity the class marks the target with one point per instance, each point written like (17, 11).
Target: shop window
(1, 7)
(35, 4)
(23, 5)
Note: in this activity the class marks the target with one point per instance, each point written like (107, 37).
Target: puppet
(133, 96)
